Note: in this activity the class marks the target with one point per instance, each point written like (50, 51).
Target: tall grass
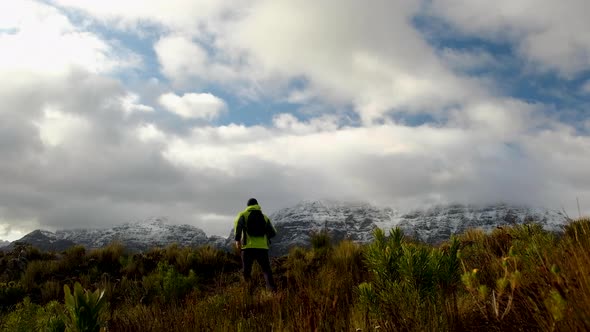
(413, 286)
(514, 278)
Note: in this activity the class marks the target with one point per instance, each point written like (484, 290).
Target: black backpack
(256, 224)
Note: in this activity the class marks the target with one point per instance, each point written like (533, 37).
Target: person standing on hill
(253, 231)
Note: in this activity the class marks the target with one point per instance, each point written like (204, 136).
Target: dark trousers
(261, 256)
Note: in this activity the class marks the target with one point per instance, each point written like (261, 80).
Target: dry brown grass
(515, 278)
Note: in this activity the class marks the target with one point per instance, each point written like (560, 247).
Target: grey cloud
(105, 174)
(546, 33)
(108, 175)
(412, 180)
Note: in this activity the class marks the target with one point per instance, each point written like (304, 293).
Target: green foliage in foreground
(84, 309)
(413, 284)
(514, 278)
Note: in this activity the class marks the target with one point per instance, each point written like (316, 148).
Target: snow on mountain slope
(138, 235)
(438, 223)
(43, 240)
(356, 221)
(343, 220)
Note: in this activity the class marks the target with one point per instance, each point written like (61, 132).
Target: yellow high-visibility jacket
(251, 241)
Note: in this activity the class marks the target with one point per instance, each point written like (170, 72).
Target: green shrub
(74, 260)
(35, 273)
(14, 262)
(84, 308)
(410, 283)
(176, 286)
(11, 293)
(28, 316)
(108, 259)
(23, 317)
(168, 285)
(139, 265)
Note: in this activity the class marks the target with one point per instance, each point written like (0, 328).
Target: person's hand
(239, 245)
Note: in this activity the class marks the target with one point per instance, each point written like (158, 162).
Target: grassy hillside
(516, 278)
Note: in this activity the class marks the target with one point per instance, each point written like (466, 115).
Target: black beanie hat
(252, 201)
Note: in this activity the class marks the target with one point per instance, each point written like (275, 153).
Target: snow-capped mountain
(438, 223)
(44, 240)
(355, 221)
(138, 235)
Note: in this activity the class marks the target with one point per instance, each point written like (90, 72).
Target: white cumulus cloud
(346, 77)
(193, 105)
(43, 40)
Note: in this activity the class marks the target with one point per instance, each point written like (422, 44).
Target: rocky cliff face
(354, 221)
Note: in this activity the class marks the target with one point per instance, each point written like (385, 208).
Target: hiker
(253, 231)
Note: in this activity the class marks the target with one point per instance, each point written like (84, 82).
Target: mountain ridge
(433, 225)
(343, 220)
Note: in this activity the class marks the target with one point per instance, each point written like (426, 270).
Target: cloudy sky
(116, 111)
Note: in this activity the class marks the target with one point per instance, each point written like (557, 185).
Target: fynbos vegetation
(515, 278)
